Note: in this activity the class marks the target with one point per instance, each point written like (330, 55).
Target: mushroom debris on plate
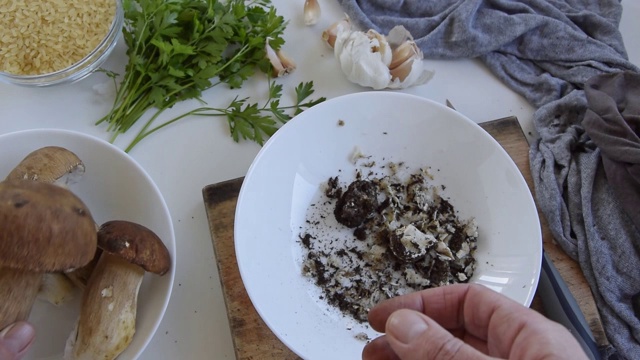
(406, 236)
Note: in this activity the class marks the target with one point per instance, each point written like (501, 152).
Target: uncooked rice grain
(43, 36)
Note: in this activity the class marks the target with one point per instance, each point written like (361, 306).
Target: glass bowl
(80, 69)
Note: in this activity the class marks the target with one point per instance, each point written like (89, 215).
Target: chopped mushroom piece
(46, 228)
(108, 314)
(409, 244)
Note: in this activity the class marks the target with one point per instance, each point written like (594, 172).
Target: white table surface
(187, 156)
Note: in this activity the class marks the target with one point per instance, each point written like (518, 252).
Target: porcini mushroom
(108, 312)
(59, 166)
(45, 228)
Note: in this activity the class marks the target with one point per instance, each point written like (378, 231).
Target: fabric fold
(612, 121)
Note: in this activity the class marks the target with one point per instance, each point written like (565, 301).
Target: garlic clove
(401, 54)
(403, 70)
(287, 63)
(330, 34)
(273, 57)
(417, 74)
(311, 12)
(280, 62)
(407, 66)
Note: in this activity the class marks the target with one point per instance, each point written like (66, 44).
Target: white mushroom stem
(18, 291)
(108, 314)
(56, 288)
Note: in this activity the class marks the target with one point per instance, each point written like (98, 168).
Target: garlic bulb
(364, 57)
(377, 61)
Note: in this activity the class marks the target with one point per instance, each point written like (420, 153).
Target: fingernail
(18, 336)
(406, 325)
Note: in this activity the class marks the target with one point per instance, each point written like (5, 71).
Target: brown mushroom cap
(48, 164)
(45, 227)
(136, 244)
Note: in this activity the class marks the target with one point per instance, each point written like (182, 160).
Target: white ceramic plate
(481, 180)
(113, 187)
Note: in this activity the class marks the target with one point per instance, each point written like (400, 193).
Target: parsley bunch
(176, 49)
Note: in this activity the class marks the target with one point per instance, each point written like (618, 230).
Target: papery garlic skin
(364, 58)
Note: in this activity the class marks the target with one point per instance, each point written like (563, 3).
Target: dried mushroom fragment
(46, 228)
(108, 314)
(357, 203)
(409, 244)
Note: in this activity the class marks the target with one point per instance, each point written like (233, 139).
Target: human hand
(465, 321)
(15, 340)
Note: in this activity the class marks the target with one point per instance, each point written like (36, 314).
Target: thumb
(414, 336)
(15, 340)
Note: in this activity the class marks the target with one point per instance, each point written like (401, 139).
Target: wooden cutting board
(252, 339)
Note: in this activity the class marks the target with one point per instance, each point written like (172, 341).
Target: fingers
(474, 315)
(443, 304)
(467, 307)
(414, 336)
(15, 340)
(379, 349)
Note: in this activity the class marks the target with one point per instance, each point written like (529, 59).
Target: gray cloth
(546, 51)
(612, 121)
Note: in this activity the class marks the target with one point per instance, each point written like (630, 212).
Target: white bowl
(113, 187)
(286, 176)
